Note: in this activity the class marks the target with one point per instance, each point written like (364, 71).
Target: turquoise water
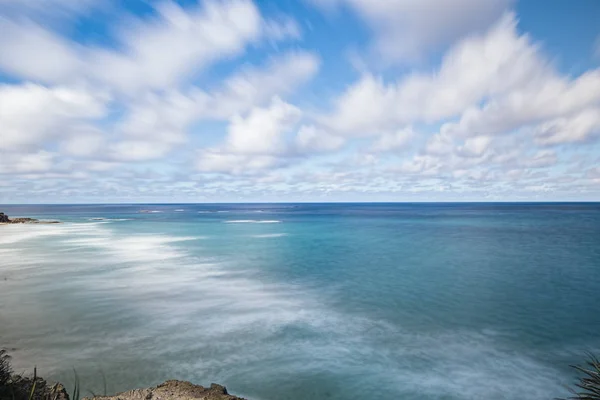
(306, 301)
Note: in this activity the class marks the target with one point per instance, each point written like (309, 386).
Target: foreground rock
(173, 390)
(5, 220)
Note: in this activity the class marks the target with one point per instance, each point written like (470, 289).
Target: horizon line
(321, 202)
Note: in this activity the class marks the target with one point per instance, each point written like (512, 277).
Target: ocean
(306, 301)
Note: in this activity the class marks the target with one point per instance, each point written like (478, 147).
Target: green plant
(32, 392)
(5, 369)
(21, 387)
(76, 386)
(588, 387)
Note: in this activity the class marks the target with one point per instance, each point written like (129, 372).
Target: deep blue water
(307, 301)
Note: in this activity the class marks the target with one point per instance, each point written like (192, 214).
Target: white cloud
(17, 163)
(84, 141)
(153, 124)
(541, 159)
(279, 30)
(162, 52)
(405, 29)
(31, 52)
(475, 68)
(46, 8)
(138, 150)
(364, 109)
(533, 101)
(255, 141)
(311, 139)
(155, 53)
(576, 128)
(394, 140)
(254, 86)
(496, 83)
(482, 158)
(424, 165)
(30, 113)
(262, 130)
(164, 119)
(475, 146)
(237, 164)
(440, 144)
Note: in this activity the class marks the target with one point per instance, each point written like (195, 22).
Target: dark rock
(22, 220)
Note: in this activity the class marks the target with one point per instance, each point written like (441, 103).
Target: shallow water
(319, 301)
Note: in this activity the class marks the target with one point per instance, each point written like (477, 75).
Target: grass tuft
(5, 369)
(76, 386)
(588, 386)
(31, 393)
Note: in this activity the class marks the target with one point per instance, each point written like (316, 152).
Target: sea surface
(306, 301)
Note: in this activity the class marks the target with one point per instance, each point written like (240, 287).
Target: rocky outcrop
(173, 390)
(5, 220)
(23, 220)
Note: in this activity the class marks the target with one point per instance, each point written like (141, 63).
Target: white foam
(15, 233)
(269, 235)
(138, 248)
(10, 235)
(109, 219)
(253, 221)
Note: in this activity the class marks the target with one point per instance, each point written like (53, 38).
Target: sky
(299, 100)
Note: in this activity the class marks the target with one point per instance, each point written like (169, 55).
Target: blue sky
(299, 100)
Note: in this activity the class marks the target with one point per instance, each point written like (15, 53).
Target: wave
(137, 248)
(109, 219)
(270, 235)
(253, 221)
(23, 232)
